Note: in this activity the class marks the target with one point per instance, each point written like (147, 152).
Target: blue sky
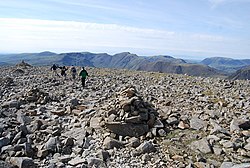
(181, 28)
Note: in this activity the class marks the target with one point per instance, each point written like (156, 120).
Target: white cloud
(30, 35)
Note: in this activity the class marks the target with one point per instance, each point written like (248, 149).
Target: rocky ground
(122, 119)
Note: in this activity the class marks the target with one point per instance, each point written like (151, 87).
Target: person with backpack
(83, 75)
(54, 68)
(63, 71)
(73, 72)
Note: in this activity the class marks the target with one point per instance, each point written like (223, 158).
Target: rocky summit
(122, 118)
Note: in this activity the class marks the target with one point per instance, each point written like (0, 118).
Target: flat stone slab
(127, 129)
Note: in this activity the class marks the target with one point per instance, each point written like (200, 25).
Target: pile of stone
(133, 117)
(23, 64)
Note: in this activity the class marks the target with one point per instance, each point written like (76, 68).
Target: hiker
(84, 75)
(63, 71)
(73, 72)
(54, 68)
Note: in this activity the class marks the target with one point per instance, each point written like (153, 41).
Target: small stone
(134, 142)
(227, 165)
(217, 151)
(21, 118)
(42, 153)
(134, 119)
(52, 144)
(74, 102)
(196, 123)
(234, 125)
(4, 141)
(12, 104)
(183, 125)
(242, 165)
(201, 145)
(110, 143)
(172, 121)
(69, 142)
(162, 132)
(146, 157)
(76, 161)
(95, 162)
(146, 147)
(103, 154)
(23, 162)
(28, 150)
(247, 147)
(227, 144)
(158, 124)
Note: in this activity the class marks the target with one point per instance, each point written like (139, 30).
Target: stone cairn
(131, 116)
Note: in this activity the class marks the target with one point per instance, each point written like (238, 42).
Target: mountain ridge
(226, 64)
(125, 60)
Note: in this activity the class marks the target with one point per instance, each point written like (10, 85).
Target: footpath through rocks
(122, 119)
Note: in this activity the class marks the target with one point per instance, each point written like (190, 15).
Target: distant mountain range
(226, 64)
(162, 63)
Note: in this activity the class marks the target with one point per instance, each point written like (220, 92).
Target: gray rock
(103, 155)
(146, 147)
(28, 150)
(227, 144)
(162, 132)
(218, 129)
(23, 162)
(69, 142)
(134, 142)
(23, 119)
(64, 158)
(134, 119)
(201, 145)
(234, 125)
(95, 122)
(127, 129)
(217, 150)
(110, 143)
(42, 153)
(5, 165)
(245, 124)
(95, 162)
(173, 121)
(76, 161)
(146, 157)
(74, 102)
(247, 147)
(52, 144)
(4, 141)
(196, 123)
(242, 165)
(158, 124)
(12, 104)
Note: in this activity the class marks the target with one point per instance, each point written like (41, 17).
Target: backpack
(74, 70)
